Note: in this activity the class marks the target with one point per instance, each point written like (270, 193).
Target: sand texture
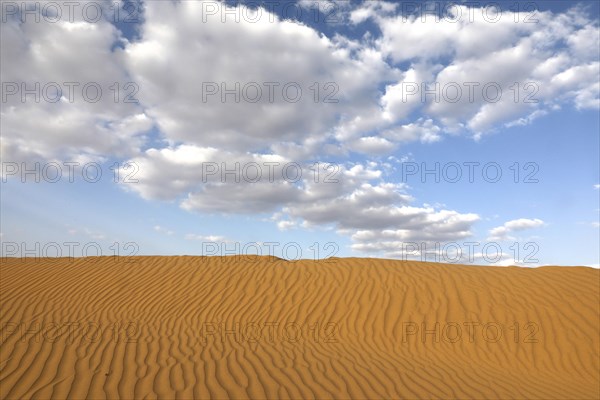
(260, 327)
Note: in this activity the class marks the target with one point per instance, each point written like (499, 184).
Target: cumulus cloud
(502, 232)
(57, 99)
(214, 180)
(262, 81)
(415, 233)
(349, 197)
(231, 96)
(357, 95)
(371, 9)
(474, 75)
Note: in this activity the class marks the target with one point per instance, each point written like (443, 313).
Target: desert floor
(260, 327)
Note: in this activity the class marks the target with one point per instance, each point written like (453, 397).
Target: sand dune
(259, 327)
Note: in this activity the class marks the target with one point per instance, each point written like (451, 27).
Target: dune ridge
(259, 327)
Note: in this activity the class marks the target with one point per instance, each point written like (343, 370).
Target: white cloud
(462, 34)
(334, 11)
(267, 53)
(348, 197)
(373, 114)
(371, 9)
(372, 145)
(65, 56)
(502, 232)
(424, 130)
(163, 230)
(207, 238)
(285, 225)
(87, 232)
(550, 61)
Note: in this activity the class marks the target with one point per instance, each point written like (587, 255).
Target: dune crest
(259, 327)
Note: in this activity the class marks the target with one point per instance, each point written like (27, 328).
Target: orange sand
(259, 327)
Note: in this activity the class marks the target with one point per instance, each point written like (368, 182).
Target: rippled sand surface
(260, 327)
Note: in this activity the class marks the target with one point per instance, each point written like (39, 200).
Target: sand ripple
(259, 327)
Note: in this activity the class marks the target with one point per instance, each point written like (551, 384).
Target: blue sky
(367, 59)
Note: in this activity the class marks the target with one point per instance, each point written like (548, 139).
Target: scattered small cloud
(502, 232)
(286, 225)
(163, 230)
(206, 238)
